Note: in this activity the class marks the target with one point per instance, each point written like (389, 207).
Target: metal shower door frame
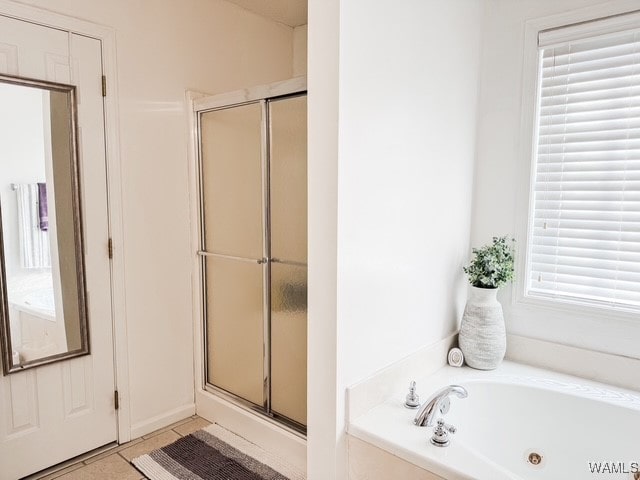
(258, 95)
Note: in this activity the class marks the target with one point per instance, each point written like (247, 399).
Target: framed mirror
(43, 314)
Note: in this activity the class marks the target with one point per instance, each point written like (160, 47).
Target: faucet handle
(413, 399)
(445, 426)
(441, 433)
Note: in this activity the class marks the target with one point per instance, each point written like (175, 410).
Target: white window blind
(584, 240)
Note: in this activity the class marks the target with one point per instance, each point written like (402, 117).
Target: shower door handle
(259, 261)
(288, 262)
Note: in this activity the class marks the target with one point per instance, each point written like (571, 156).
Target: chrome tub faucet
(439, 402)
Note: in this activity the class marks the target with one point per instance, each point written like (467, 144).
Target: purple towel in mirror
(43, 210)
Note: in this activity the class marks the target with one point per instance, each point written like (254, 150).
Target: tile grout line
(167, 428)
(119, 449)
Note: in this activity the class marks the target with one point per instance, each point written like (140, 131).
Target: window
(584, 225)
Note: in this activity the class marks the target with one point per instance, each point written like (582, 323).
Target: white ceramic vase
(483, 339)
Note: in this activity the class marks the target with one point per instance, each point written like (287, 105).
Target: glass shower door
(253, 184)
(288, 215)
(233, 225)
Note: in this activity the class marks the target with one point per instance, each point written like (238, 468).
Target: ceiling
(289, 12)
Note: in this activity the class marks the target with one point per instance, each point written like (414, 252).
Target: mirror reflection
(43, 309)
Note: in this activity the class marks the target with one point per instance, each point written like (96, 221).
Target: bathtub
(576, 426)
(35, 332)
(33, 309)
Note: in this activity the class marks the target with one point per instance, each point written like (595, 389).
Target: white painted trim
(116, 226)
(260, 92)
(395, 378)
(586, 14)
(107, 37)
(254, 428)
(602, 27)
(600, 330)
(160, 421)
(49, 18)
(194, 228)
(525, 167)
(327, 452)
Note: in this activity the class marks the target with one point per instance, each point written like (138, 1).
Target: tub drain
(535, 458)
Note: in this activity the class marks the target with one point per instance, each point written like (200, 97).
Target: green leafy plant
(492, 265)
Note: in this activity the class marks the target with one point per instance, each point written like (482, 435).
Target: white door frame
(107, 38)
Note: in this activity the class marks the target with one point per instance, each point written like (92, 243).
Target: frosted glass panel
(289, 179)
(235, 329)
(231, 142)
(289, 341)
(234, 142)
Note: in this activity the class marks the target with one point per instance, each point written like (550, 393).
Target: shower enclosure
(253, 251)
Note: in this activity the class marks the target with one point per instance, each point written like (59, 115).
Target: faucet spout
(439, 401)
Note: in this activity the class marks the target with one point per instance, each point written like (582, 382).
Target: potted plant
(482, 338)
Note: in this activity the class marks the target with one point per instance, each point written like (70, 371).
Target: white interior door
(51, 413)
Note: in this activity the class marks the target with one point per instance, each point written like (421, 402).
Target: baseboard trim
(160, 421)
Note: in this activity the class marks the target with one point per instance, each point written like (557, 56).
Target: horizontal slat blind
(584, 242)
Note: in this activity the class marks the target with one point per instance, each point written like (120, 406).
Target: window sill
(611, 369)
(571, 308)
(614, 332)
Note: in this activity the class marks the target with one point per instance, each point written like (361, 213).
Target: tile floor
(114, 464)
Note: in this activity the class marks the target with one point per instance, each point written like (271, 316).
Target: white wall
(300, 50)
(164, 48)
(408, 79)
(324, 424)
(501, 161)
(407, 138)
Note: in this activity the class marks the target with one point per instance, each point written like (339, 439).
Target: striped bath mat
(214, 453)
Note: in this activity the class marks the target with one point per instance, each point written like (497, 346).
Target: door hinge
(104, 86)
(116, 399)
(110, 248)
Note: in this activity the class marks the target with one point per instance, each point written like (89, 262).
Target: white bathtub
(574, 424)
(35, 332)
